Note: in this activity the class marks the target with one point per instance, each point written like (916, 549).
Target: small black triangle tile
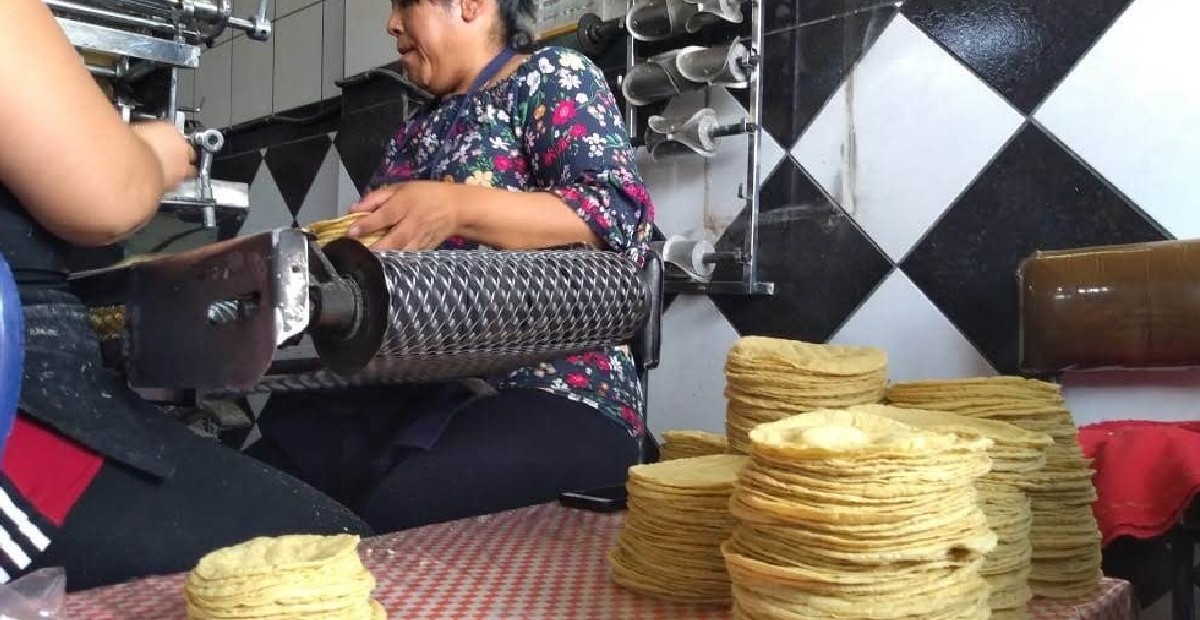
(241, 168)
(363, 137)
(1023, 49)
(788, 14)
(821, 262)
(1034, 196)
(805, 65)
(294, 166)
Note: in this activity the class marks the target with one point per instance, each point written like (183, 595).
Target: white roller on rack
(688, 256)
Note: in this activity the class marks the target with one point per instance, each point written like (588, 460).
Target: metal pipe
(117, 18)
(733, 129)
(104, 72)
(630, 61)
(162, 8)
(750, 267)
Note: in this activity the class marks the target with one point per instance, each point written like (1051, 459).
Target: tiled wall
(241, 80)
(915, 155)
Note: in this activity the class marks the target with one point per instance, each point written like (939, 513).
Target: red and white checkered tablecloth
(540, 563)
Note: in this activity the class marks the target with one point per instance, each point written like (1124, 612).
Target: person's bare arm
(64, 152)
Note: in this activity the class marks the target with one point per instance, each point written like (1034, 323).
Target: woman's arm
(579, 152)
(64, 152)
(519, 220)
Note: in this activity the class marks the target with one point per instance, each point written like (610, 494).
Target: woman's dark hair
(515, 16)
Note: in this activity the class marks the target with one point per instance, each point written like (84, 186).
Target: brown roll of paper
(1132, 306)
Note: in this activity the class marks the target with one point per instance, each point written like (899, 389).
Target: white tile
(267, 208)
(906, 139)
(298, 59)
(368, 45)
(1129, 109)
(333, 43)
(321, 202)
(1105, 395)
(253, 68)
(347, 192)
(213, 86)
(186, 95)
(284, 8)
(698, 197)
(923, 345)
(687, 389)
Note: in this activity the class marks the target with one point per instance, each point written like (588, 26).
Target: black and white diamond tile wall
(922, 126)
(1020, 48)
(806, 65)
(822, 263)
(957, 140)
(295, 165)
(1131, 111)
(1033, 196)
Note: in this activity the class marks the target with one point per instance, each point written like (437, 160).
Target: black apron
(65, 384)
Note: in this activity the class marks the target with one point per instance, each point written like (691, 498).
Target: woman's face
(426, 32)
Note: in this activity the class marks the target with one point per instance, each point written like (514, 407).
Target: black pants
(127, 526)
(513, 449)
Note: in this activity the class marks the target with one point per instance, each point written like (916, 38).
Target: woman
(516, 151)
(94, 479)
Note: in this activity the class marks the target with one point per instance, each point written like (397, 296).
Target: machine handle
(257, 27)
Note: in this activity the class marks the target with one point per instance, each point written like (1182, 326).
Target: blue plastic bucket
(12, 351)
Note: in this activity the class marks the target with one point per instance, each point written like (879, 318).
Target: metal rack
(751, 126)
(135, 50)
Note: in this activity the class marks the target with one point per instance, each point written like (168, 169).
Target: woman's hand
(420, 215)
(176, 156)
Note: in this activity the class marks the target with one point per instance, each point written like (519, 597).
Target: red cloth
(1147, 474)
(49, 470)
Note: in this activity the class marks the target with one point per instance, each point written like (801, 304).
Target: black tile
(785, 14)
(1023, 49)
(1034, 196)
(294, 166)
(378, 86)
(805, 66)
(300, 123)
(363, 137)
(788, 185)
(822, 264)
(237, 168)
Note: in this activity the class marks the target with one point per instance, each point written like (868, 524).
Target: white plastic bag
(40, 594)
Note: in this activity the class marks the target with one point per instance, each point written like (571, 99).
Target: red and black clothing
(101, 482)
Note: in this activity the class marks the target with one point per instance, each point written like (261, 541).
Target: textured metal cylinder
(453, 314)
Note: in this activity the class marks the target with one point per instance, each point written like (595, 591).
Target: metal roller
(390, 317)
(435, 315)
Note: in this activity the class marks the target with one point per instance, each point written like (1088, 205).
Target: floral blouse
(552, 126)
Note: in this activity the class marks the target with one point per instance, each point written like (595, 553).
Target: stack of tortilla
(283, 578)
(1065, 536)
(328, 231)
(678, 516)
(842, 514)
(1015, 454)
(767, 379)
(689, 444)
